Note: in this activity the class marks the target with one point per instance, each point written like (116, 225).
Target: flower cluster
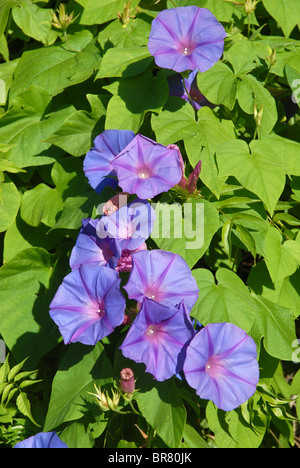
(220, 360)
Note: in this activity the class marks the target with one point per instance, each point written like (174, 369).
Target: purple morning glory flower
(90, 248)
(187, 89)
(162, 276)
(221, 364)
(186, 38)
(88, 305)
(158, 337)
(97, 164)
(42, 440)
(147, 168)
(130, 226)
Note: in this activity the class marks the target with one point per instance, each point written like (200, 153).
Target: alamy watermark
(2, 352)
(160, 220)
(296, 353)
(296, 91)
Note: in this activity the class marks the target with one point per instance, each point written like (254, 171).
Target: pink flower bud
(115, 203)
(193, 178)
(183, 180)
(127, 380)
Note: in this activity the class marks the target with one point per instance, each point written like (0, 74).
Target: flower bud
(104, 401)
(250, 6)
(115, 203)
(127, 380)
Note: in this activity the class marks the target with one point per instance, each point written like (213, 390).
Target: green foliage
(61, 84)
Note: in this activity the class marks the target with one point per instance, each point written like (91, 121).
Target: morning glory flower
(162, 276)
(130, 226)
(97, 164)
(90, 248)
(187, 89)
(42, 440)
(221, 364)
(147, 168)
(158, 337)
(186, 38)
(88, 305)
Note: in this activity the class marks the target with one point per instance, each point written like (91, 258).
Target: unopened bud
(272, 56)
(258, 114)
(250, 6)
(127, 380)
(183, 181)
(126, 15)
(63, 20)
(104, 401)
(115, 203)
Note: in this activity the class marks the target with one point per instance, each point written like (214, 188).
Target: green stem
(133, 408)
(67, 42)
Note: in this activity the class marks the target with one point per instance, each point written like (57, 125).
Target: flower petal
(221, 364)
(162, 276)
(97, 163)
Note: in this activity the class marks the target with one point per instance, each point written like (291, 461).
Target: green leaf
(190, 236)
(247, 239)
(225, 300)
(283, 292)
(191, 438)
(78, 131)
(100, 11)
(252, 92)
(53, 69)
(35, 22)
(276, 325)
(163, 409)
(4, 14)
(136, 33)
(287, 152)
(20, 236)
(282, 259)
(8, 166)
(9, 203)
(81, 206)
(24, 406)
(16, 369)
(175, 122)
(7, 389)
(219, 85)
(201, 139)
(207, 137)
(126, 62)
(285, 12)
(256, 170)
(80, 368)
(43, 203)
(135, 96)
(232, 431)
(24, 128)
(25, 324)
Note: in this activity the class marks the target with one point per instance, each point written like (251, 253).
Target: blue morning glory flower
(42, 440)
(147, 168)
(221, 364)
(97, 164)
(186, 38)
(162, 276)
(158, 337)
(88, 305)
